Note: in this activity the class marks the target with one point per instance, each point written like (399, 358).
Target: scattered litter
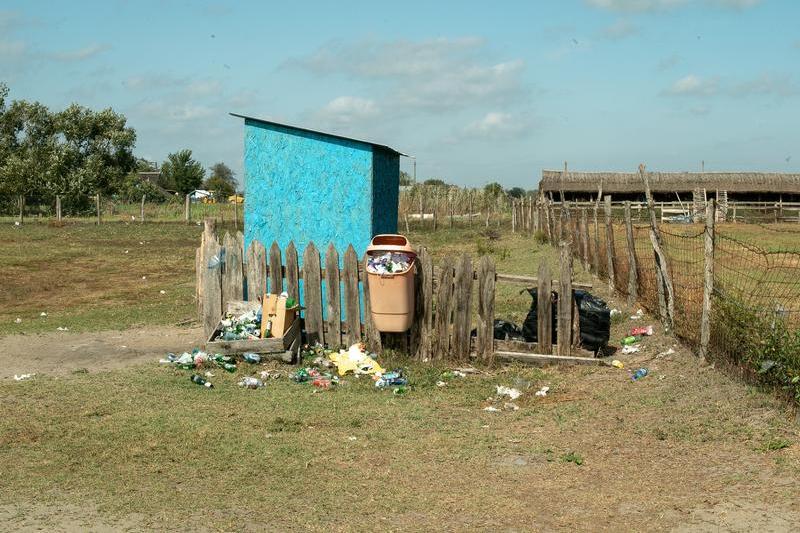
(144, 277)
(252, 358)
(395, 378)
(162, 292)
(639, 314)
(42, 314)
(543, 391)
(642, 331)
(616, 363)
(440, 383)
(666, 353)
(615, 312)
(508, 406)
(352, 438)
(18, 321)
(197, 358)
(16, 223)
(355, 360)
(209, 374)
(251, 383)
(274, 374)
(322, 382)
(631, 339)
(463, 371)
(491, 409)
(389, 263)
(639, 374)
(23, 377)
(507, 391)
(200, 380)
(399, 390)
(246, 326)
(459, 374)
(630, 349)
(60, 328)
(126, 251)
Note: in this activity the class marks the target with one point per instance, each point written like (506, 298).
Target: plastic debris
(209, 374)
(198, 358)
(616, 363)
(200, 380)
(352, 438)
(630, 349)
(162, 292)
(615, 312)
(491, 409)
(322, 383)
(246, 326)
(42, 314)
(440, 384)
(543, 391)
(508, 391)
(18, 321)
(251, 383)
(355, 360)
(266, 374)
(389, 263)
(666, 353)
(639, 314)
(631, 339)
(642, 331)
(252, 358)
(508, 406)
(395, 378)
(639, 374)
(23, 377)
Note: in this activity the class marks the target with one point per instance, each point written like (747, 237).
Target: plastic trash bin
(391, 292)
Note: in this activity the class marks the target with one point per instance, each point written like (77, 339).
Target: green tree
(181, 173)
(435, 182)
(30, 154)
(516, 192)
(221, 181)
(405, 179)
(493, 189)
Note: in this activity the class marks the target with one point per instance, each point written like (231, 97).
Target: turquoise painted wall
(385, 190)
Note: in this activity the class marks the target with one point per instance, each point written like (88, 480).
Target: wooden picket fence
(443, 317)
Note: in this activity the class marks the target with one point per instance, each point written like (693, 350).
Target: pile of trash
(389, 263)
(355, 360)
(198, 359)
(246, 326)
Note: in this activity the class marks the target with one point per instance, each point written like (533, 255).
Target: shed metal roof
(309, 130)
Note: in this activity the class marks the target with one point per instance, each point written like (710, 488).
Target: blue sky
(478, 91)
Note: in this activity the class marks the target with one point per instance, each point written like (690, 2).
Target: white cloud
(664, 5)
(81, 53)
(346, 110)
(207, 87)
(779, 85)
(621, 29)
(693, 85)
(496, 125)
(12, 49)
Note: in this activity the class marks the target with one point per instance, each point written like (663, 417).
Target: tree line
(78, 152)
(491, 189)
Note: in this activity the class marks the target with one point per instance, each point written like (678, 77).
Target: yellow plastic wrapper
(355, 360)
(617, 364)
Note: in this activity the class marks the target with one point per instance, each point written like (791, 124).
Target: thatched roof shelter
(669, 182)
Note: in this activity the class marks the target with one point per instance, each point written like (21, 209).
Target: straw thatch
(667, 182)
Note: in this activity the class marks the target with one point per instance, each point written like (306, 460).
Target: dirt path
(64, 352)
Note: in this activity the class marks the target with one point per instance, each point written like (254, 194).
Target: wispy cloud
(620, 29)
(80, 54)
(779, 85)
(766, 84)
(346, 110)
(642, 6)
(496, 125)
(693, 85)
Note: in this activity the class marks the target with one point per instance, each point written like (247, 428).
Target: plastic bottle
(627, 341)
(200, 380)
(639, 374)
(252, 358)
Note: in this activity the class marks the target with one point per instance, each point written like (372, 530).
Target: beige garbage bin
(390, 274)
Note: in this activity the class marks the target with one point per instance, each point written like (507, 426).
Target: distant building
(304, 185)
(198, 195)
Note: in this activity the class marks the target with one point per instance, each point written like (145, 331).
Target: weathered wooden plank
(232, 283)
(565, 302)
(422, 331)
(576, 325)
(212, 285)
(584, 239)
(313, 295)
(292, 272)
(462, 308)
(633, 280)
(609, 243)
(544, 310)
(372, 335)
(351, 298)
(486, 293)
(708, 278)
(661, 259)
(444, 308)
(333, 311)
(256, 271)
(547, 359)
(596, 256)
(275, 277)
(198, 274)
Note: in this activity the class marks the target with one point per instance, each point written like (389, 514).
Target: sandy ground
(64, 352)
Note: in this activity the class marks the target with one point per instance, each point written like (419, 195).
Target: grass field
(144, 448)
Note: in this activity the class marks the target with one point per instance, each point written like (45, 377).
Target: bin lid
(390, 243)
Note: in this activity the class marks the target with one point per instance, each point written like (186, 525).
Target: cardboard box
(275, 314)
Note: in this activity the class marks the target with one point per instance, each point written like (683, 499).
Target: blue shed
(303, 185)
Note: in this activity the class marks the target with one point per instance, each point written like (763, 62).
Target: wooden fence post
(141, 210)
(97, 206)
(421, 327)
(596, 255)
(584, 231)
(544, 311)
(663, 276)
(462, 308)
(609, 243)
(256, 271)
(513, 216)
(232, 284)
(708, 279)
(313, 295)
(351, 298)
(564, 320)
(486, 293)
(332, 298)
(275, 274)
(58, 208)
(187, 208)
(211, 266)
(292, 272)
(633, 280)
(444, 308)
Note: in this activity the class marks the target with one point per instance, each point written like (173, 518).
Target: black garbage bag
(594, 316)
(507, 331)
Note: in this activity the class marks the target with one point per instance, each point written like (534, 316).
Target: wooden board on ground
(547, 359)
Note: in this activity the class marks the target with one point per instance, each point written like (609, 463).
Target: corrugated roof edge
(309, 130)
